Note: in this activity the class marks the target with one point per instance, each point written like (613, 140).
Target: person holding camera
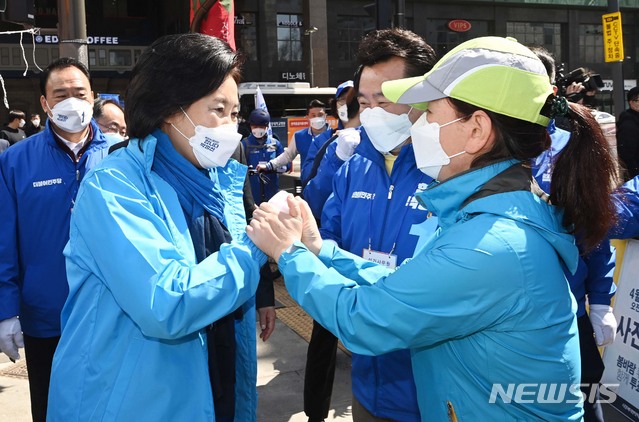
(580, 86)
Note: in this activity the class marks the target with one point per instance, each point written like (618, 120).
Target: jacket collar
(505, 189)
(367, 150)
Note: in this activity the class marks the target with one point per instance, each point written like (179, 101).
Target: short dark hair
(633, 93)
(314, 104)
(16, 114)
(172, 73)
(384, 44)
(61, 63)
(99, 103)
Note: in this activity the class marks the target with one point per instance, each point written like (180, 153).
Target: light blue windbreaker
(133, 344)
(370, 209)
(484, 306)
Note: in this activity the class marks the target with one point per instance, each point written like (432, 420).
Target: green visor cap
(493, 73)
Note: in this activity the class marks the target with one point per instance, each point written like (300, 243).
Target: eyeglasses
(113, 128)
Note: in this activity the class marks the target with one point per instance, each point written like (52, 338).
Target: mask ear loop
(178, 130)
(187, 116)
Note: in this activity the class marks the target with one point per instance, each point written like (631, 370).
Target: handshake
(282, 221)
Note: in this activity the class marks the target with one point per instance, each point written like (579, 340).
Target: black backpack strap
(318, 159)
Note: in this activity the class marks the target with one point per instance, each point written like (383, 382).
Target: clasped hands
(273, 229)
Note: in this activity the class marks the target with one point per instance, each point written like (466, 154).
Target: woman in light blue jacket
(484, 306)
(158, 259)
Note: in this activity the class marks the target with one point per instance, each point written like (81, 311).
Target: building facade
(314, 41)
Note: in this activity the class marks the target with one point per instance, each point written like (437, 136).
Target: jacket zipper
(452, 417)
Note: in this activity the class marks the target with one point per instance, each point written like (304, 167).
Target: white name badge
(382, 258)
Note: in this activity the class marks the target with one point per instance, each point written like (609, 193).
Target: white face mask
(72, 115)
(213, 146)
(342, 113)
(386, 130)
(318, 123)
(22, 123)
(430, 157)
(258, 132)
(35, 122)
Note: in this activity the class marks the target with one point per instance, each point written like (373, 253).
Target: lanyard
(399, 226)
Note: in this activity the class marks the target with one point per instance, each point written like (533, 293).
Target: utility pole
(72, 30)
(618, 97)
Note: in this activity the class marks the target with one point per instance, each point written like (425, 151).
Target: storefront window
(590, 44)
(246, 34)
(350, 30)
(547, 35)
(289, 42)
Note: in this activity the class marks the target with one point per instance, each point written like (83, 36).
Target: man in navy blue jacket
(372, 212)
(260, 148)
(39, 179)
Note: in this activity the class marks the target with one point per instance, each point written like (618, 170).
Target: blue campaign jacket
(627, 203)
(484, 303)
(303, 140)
(133, 344)
(38, 185)
(320, 187)
(370, 209)
(262, 152)
(313, 149)
(593, 278)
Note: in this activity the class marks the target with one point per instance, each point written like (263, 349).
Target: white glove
(603, 323)
(11, 337)
(347, 141)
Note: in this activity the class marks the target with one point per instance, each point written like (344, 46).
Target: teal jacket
(133, 343)
(484, 305)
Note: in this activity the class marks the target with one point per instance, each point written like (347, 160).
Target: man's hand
(347, 140)
(11, 337)
(263, 168)
(267, 321)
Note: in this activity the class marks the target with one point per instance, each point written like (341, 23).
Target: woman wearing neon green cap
(484, 306)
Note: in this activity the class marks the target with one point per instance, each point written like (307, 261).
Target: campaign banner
(622, 356)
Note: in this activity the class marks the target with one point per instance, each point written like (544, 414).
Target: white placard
(621, 358)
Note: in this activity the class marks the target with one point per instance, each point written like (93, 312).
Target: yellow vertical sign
(613, 37)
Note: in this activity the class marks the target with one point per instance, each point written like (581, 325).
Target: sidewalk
(280, 374)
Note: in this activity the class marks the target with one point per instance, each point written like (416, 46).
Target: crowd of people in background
(443, 178)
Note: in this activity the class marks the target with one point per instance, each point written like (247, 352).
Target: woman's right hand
(310, 233)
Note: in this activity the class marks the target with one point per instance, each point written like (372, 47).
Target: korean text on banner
(622, 356)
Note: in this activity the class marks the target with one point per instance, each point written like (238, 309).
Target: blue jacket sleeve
(117, 233)
(320, 187)
(331, 222)
(429, 299)
(627, 203)
(600, 287)
(307, 165)
(9, 266)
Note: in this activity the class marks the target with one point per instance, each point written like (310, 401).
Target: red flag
(218, 22)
